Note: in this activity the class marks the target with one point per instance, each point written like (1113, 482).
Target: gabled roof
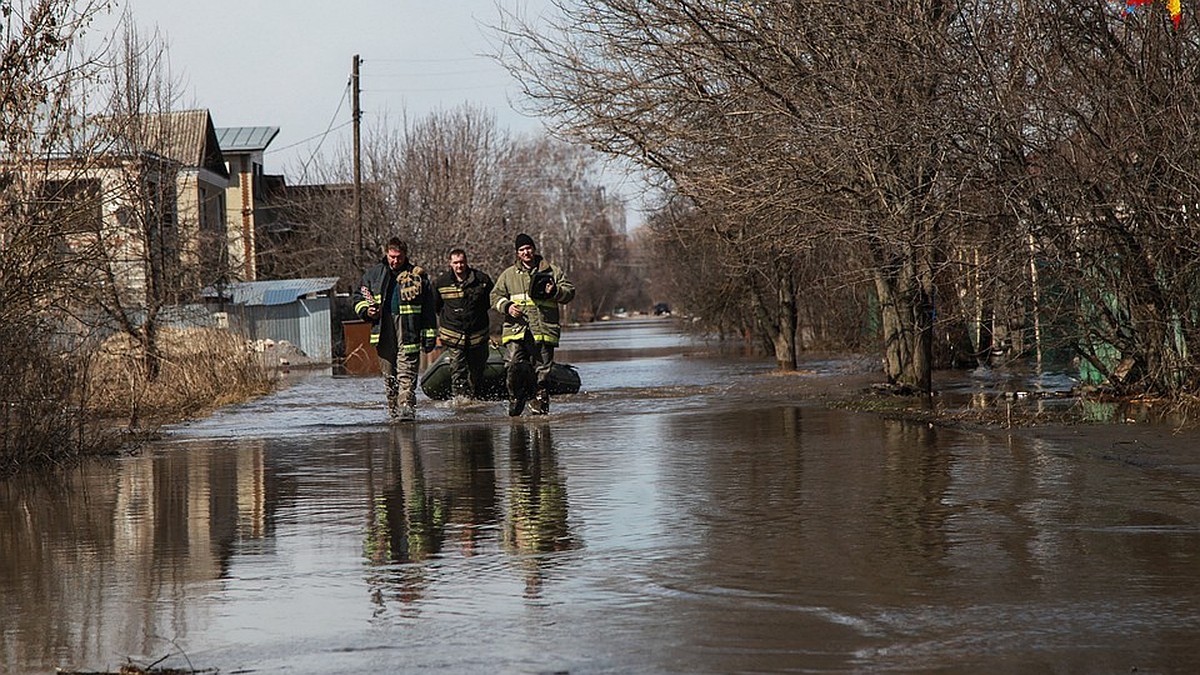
(245, 139)
(187, 136)
(278, 292)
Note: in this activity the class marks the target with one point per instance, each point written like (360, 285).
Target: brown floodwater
(681, 514)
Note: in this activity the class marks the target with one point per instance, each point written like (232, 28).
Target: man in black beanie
(527, 295)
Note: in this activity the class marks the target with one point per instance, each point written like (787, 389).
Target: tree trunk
(151, 359)
(775, 316)
(785, 338)
(907, 312)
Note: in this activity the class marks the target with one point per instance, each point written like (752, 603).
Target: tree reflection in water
(536, 524)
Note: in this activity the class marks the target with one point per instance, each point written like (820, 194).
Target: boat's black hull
(435, 381)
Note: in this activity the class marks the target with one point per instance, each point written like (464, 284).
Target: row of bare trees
(454, 179)
(968, 179)
(38, 109)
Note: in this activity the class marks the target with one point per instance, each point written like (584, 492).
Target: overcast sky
(288, 64)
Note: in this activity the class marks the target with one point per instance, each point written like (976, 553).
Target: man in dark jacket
(462, 301)
(397, 298)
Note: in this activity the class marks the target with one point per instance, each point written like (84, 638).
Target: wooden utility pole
(357, 117)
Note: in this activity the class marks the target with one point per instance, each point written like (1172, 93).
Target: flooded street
(681, 514)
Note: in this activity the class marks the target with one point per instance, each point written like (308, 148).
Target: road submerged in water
(684, 513)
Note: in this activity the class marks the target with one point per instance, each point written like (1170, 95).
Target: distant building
(189, 138)
(111, 216)
(243, 149)
(141, 202)
(302, 229)
(173, 203)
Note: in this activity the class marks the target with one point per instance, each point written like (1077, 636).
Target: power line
(442, 73)
(328, 130)
(422, 90)
(305, 140)
(449, 60)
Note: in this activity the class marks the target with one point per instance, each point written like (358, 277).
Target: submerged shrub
(66, 396)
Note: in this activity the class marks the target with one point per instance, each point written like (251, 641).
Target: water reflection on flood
(659, 521)
(454, 507)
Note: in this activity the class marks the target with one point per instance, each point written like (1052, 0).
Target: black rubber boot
(515, 406)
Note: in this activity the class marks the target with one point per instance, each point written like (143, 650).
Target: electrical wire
(452, 60)
(422, 90)
(323, 136)
(302, 141)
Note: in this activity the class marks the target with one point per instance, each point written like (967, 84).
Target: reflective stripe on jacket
(462, 308)
(541, 317)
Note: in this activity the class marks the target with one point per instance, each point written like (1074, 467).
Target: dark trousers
(466, 369)
(528, 364)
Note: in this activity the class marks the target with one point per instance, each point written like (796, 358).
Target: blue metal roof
(278, 292)
(245, 139)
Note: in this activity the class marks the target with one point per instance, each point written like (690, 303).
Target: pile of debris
(279, 353)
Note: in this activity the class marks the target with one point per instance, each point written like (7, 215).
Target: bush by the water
(42, 420)
(65, 398)
(199, 369)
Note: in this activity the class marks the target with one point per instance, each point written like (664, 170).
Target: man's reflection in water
(471, 486)
(406, 522)
(537, 503)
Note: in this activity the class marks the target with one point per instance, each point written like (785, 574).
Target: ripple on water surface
(677, 515)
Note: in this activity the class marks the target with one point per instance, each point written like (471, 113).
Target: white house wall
(122, 239)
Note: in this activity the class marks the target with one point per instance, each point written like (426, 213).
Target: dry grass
(62, 398)
(41, 421)
(201, 369)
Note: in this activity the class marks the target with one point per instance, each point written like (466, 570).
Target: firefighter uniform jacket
(462, 308)
(406, 294)
(541, 315)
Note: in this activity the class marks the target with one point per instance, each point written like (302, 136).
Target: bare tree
(134, 263)
(41, 73)
(1121, 178)
(454, 179)
(792, 129)
(439, 181)
(308, 231)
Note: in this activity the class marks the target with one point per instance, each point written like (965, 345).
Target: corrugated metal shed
(285, 309)
(245, 139)
(275, 292)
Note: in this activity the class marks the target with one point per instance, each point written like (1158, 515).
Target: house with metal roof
(189, 137)
(243, 149)
(300, 311)
(118, 209)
